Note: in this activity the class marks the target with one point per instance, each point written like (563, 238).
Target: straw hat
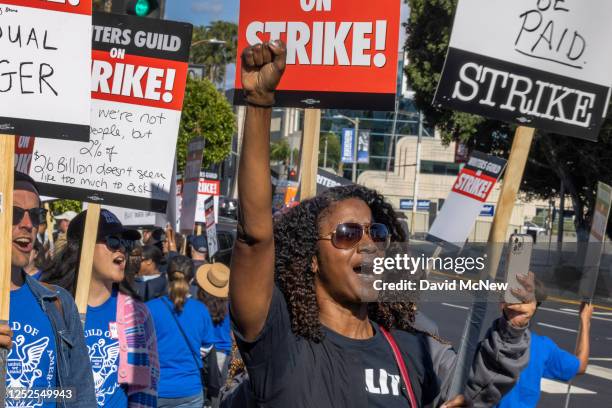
(214, 279)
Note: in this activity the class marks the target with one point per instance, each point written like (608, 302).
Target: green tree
(553, 158)
(206, 113)
(61, 206)
(333, 150)
(214, 56)
(280, 150)
(98, 5)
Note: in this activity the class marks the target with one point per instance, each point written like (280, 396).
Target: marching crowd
(157, 330)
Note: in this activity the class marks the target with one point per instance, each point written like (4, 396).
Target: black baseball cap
(108, 225)
(199, 243)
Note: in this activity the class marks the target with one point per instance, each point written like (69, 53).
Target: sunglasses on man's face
(114, 243)
(347, 235)
(37, 215)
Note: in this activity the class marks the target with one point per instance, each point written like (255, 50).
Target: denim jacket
(74, 369)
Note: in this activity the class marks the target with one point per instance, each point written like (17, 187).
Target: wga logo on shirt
(381, 382)
(24, 362)
(103, 359)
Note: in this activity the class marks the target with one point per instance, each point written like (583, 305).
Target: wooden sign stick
(7, 155)
(310, 153)
(88, 246)
(50, 223)
(497, 237)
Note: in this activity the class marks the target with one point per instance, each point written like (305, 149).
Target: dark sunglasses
(37, 215)
(349, 234)
(114, 243)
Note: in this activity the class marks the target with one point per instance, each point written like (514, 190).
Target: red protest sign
(340, 53)
(474, 184)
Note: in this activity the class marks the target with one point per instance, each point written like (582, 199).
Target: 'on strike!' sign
(465, 201)
(340, 53)
(44, 68)
(540, 63)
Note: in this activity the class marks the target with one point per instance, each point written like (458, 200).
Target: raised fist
(262, 68)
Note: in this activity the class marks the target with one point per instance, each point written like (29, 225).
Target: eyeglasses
(114, 243)
(347, 235)
(37, 215)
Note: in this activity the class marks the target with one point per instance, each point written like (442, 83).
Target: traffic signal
(140, 8)
(292, 175)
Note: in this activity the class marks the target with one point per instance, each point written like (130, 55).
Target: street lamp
(355, 123)
(221, 43)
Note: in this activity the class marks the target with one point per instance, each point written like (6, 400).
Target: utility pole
(356, 141)
(325, 152)
(417, 170)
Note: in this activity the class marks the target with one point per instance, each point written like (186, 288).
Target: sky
(202, 12)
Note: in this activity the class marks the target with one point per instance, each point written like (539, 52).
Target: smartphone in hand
(518, 262)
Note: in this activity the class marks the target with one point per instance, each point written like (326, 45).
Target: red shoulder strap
(401, 365)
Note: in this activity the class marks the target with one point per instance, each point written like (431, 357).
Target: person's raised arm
(582, 349)
(252, 270)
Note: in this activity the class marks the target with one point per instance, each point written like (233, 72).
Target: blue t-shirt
(179, 376)
(32, 362)
(37, 275)
(546, 360)
(103, 347)
(222, 335)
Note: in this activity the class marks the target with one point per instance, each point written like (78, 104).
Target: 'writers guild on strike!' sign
(539, 63)
(137, 85)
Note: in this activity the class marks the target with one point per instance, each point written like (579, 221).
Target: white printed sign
(195, 151)
(596, 241)
(137, 84)
(44, 68)
(211, 228)
(465, 201)
(541, 63)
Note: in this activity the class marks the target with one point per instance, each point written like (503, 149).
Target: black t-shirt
(286, 370)
(381, 377)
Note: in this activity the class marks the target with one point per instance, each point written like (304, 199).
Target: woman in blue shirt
(119, 331)
(213, 291)
(183, 326)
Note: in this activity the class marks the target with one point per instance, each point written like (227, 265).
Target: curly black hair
(295, 238)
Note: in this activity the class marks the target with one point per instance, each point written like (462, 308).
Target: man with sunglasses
(48, 350)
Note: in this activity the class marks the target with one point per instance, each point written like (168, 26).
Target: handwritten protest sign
(340, 53)
(464, 203)
(138, 79)
(46, 54)
(543, 64)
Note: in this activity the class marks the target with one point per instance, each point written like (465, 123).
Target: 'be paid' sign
(539, 63)
(340, 53)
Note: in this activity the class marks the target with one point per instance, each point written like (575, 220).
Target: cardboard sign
(465, 201)
(327, 180)
(340, 53)
(195, 151)
(46, 58)
(211, 229)
(138, 79)
(595, 246)
(543, 64)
